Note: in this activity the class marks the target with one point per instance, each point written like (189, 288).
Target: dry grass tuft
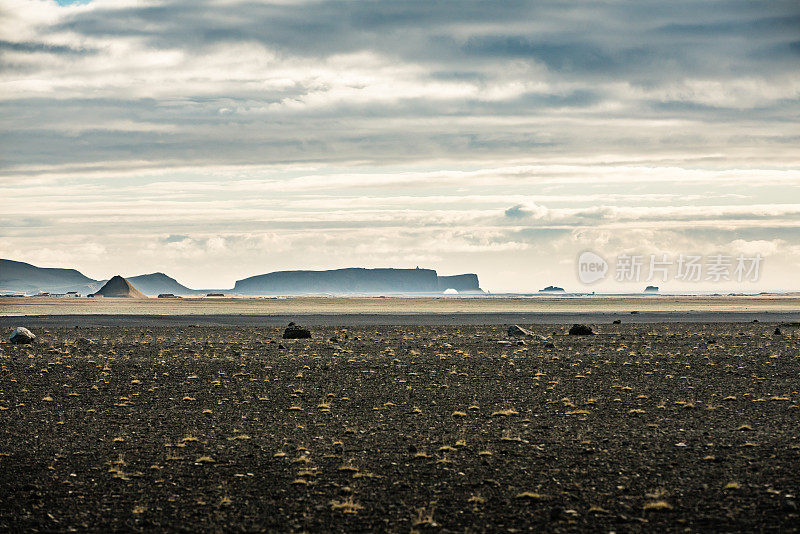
(348, 506)
(424, 517)
(530, 495)
(506, 412)
(657, 505)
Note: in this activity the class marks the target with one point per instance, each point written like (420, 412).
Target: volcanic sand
(643, 427)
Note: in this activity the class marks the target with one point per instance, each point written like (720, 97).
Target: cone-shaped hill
(119, 287)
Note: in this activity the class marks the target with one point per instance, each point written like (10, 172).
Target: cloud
(172, 238)
(383, 82)
(521, 211)
(34, 47)
(335, 132)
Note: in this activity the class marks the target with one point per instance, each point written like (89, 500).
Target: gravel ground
(643, 427)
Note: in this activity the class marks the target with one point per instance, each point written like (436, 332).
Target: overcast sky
(214, 140)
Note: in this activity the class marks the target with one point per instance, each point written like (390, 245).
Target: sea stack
(118, 287)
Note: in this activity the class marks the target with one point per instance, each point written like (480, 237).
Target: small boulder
(21, 335)
(777, 332)
(581, 330)
(294, 331)
(516, 330)
(617, 321)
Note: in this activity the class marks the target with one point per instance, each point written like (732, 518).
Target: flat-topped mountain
(463, 283)
(354, 280)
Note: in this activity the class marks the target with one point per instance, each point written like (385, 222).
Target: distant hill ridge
(20, 277)
(17, 276)
(157, 283)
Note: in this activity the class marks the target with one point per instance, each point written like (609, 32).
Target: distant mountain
(354, 281)
(552, 289)
(156, 283)
(118, 287)
(19, 277)
(463, 283)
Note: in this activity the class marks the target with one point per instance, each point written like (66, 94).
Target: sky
(215, 140)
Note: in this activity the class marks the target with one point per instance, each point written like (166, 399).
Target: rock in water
(581, 330)
(21, 335)
(516, 330)
(294, 331)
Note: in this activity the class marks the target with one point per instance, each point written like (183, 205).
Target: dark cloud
(555, 64)
(517, 212)
(757, 26)
(38, 47)
(173, 238)
(578, 37)
(563, 57)
(25, 222)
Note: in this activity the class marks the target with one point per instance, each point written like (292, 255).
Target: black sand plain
(652, 427)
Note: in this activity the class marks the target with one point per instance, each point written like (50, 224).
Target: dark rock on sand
(581, 330)
(617, 321)
(516, 330)
(777, 331)
(21, 335)
(294, 331)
